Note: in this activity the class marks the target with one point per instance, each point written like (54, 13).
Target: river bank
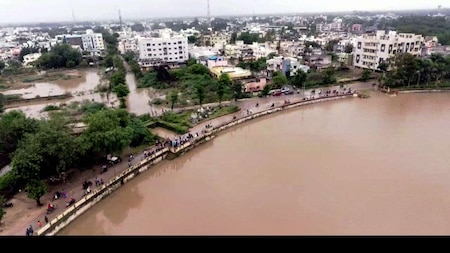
(88, 201)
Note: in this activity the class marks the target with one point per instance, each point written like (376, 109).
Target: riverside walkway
(74, 188)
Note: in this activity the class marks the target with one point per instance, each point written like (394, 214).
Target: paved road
(75, 188)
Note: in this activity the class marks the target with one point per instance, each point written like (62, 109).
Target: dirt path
(25, 211)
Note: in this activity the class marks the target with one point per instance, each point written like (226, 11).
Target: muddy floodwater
(164, 133)
(83, 87)
(377, 166)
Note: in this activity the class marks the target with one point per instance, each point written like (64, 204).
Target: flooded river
(376, 166)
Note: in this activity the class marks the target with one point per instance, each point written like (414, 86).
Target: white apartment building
(285, 64)
(373, 49)
(92, 41)
(89, 42)
(163, 50)
(29, 58)
(127, 45)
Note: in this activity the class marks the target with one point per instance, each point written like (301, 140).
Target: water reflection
(342, 170)
(83, 88)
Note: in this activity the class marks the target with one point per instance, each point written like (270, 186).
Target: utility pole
(209, 14)
(120, 20)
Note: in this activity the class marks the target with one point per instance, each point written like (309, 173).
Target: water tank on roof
(213, 58)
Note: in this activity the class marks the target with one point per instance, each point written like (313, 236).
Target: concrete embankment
(62, 220)
(23, 101)
(422, 91)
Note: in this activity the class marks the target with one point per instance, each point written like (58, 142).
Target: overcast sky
(12, 11)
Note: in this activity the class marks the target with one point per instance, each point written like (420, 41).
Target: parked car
(289, 92)
(285, 89)
(277, 93)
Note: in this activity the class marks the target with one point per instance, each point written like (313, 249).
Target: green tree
(13, 127)
(2, 214)
(365, 75)
(190, 62)
(51, 150)
(233, 38)
(173, 98)
(108, 61)
(121, 90)
(329, 76)
(2, 104)
(192, 39)
(35, 190)
(200, 92)
(299, 79)
(271, 55)
(330, 45)
(26, 165)
(2, 65)
(279, 80)
(108, 131)
(223, 84)
(266, 91)
(140, 133)
(348, 48)
(59, 57)
(237, 90)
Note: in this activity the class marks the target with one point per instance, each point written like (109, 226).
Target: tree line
(43, 148)
(407, 70)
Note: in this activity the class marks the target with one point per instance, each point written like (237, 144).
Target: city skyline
(23, 11)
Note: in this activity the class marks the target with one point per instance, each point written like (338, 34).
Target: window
(181, 57)
(179, 42)
(164, 43)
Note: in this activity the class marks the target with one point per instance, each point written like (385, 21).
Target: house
(254, 85)
(30, 58)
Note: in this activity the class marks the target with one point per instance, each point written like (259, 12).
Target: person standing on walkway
(46, 219)
(39, 223)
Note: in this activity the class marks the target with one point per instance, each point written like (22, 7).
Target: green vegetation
(61, 56)
(129, 57)
(425, 25)
(46, 77)
(194, 83)
(224, 111)
(50, 108)
(180, 123)
(279, 80)
(11, 97)
(408, 71)
(2, 102)
(42, 148)
(255, 66)
(249, 38)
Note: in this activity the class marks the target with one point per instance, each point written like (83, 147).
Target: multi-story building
(375, 48)
(285, 65)
(92, 41)
(165, 50)
(127, 45)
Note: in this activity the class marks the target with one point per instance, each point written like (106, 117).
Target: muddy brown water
(377, 166)
(84, 89)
